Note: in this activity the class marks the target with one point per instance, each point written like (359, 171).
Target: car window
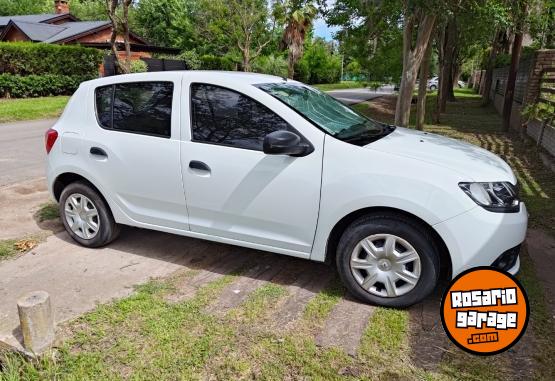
(223, 116)
(104, 106)
(140, 107)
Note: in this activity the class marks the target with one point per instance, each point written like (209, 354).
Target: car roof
(242, 77)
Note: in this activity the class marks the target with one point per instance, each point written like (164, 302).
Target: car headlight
(500, 197)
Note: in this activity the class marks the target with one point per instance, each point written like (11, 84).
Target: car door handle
(199, 165)
(98, 152)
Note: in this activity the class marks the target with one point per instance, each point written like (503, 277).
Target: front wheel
(433, 87)
(388, 260)
(86, 216)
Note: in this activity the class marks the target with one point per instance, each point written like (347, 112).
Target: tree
(542, 23)
(171, 23)
(120, 23)
(88, 9)
(25, 7)
(319, 63)
(423, 88)
(421, 20)
(298, 16)
(246, 24)
(370, 33)
(520, 10)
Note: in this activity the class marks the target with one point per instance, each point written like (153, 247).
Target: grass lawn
(12, 110)
(149, 336)
(339, 86)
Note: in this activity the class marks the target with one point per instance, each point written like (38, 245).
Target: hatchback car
(272, 164)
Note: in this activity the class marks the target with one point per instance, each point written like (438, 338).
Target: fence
(153, 64)
(543, 130)
(535, 76)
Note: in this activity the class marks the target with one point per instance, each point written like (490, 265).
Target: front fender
(356, 178)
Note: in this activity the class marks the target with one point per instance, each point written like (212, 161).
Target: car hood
(472, 162)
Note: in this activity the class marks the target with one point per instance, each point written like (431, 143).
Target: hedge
(25, 58)
(210, 62)
(16, 86)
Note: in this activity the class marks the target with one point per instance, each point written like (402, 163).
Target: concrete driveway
(22, 150)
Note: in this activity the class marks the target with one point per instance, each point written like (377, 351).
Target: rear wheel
(86, 216)
(388, 259)
(433, 87)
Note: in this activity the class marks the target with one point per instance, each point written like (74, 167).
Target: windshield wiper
(370, 136)
(356, 130)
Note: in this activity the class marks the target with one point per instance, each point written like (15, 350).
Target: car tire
(433, 87)
(86, 216)
(374, 283)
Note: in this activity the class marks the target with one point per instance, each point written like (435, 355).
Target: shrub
(138, 66)
(323, 66)
(271, 65)
(25, 58)
(210, 62)
(191, 58)
(16, 86)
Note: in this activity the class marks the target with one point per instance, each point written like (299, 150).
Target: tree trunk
(446, 75)
(488, 77)
(246, 60)
(290, 66)
(423, 88)
(412, 58)
(457, 74)
(440, 56)
(511, 79)
(126, 42)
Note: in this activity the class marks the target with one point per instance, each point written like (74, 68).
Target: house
(61, 27)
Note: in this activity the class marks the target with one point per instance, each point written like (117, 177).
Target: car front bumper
(479, 237)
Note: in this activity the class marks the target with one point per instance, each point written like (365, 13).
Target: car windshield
(327, 113)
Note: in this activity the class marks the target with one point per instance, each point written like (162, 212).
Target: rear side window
(104, 106)
(141, 107)
(226, 117)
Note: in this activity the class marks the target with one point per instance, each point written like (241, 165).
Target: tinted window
(223, 116)
(104, 106)
(143, 107)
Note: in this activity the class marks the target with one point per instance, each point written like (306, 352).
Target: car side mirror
(284, 142)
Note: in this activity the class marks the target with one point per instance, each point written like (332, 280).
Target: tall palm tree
(299, 16)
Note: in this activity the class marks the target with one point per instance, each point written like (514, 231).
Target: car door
(233, 189)
(133, 151)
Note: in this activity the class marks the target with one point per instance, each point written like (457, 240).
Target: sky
(321, 29)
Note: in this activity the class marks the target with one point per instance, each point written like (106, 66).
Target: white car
(433, 83)
(272, 164)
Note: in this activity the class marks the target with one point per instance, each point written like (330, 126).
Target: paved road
(22, 143)
(354, 96)
(22, 150)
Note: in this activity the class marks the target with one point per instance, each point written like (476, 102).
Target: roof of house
(75, 28)
(40, 32)
(42, 18)
(57, 28)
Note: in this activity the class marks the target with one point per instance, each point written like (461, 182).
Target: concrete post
(37, 322)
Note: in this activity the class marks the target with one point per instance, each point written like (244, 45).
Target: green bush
(274, 65)
(191, 59)
(17, 86)
(210, 62)
(25, 58)
(319, 63)
(138, 66)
